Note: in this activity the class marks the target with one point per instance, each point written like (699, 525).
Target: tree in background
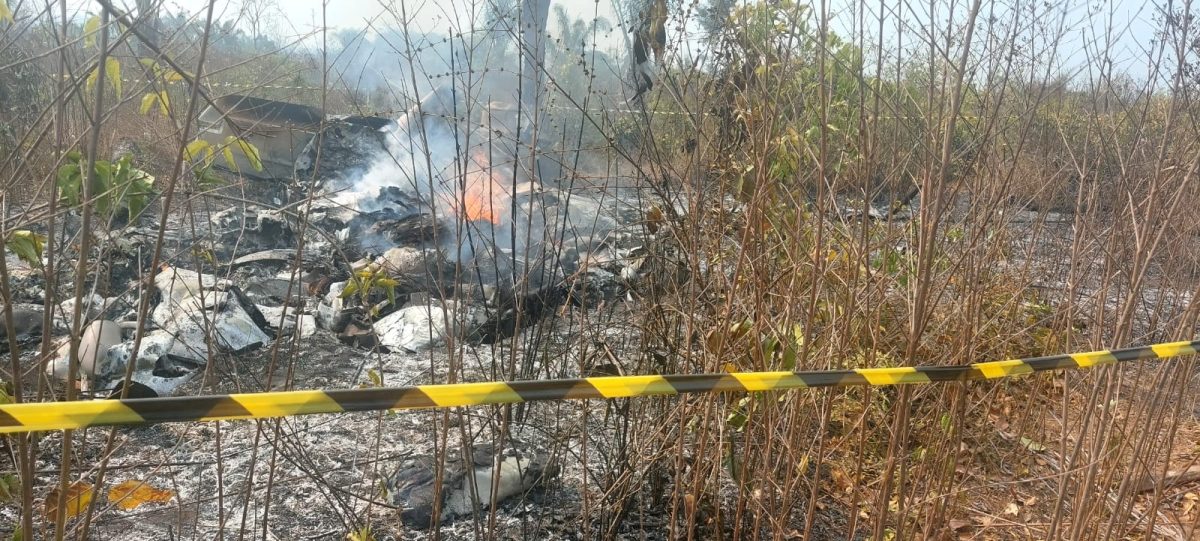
(574, 53)
(499, 28)
(713, 16)
(258, 16)
(770, 110)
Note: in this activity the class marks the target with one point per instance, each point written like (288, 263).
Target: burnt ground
(329, 469)
(323, 476)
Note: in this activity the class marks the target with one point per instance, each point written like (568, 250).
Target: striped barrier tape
(41, 416)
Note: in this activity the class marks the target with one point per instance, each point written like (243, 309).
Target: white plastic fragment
(414, 329)
(418, 328)
(94, 342)
(233, 329)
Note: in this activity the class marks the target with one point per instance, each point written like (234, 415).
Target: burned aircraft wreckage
(393, 235)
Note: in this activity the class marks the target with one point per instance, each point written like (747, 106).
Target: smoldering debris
(27, 324)
(251, 229)
(344, 147)
(418, 328)
(466, 250)
(468, 484)
(449, 234)
(93, 306)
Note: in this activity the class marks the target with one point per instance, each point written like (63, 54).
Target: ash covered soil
(227, 285)
(324, 476)
(319, 477)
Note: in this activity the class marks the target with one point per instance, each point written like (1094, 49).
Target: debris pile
(372, 255)
(467, 485)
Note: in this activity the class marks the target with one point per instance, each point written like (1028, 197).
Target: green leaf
(92, 78)
(388, 284)
(5, 13)
(375, 378)
(127, 185)
(164, 103)
(147, 102)
(768, 347)
(205, 254)
(228, 153)
(193, 149)
(102, 187)
(350, 289)
(391, 294)
(361, 534)
(789, 358)
(112, 70)
(246, 148)
(138, 194)
(90, 30)
(152, 98)
(206, 179)
(26, 245)
(10, 487)
(737, 420)
(740, 415)
(151, 65)
(251, 154)
(70, 183)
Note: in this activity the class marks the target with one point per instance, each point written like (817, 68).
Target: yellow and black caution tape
(39, 416)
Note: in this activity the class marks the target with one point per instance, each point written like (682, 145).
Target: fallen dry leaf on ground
(133, 494)
(79, 495)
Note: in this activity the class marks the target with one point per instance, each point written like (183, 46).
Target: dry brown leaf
(654, 219)
(959, 524)
(133, 494)
(1012, 509)
(843, 480)
(1189, 502)
(79, 495)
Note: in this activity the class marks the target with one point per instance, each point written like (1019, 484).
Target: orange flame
(481, 196)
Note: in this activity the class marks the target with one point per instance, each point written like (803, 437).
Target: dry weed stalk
(820, 191)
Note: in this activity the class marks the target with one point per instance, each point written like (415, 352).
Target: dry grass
(1052, 213)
